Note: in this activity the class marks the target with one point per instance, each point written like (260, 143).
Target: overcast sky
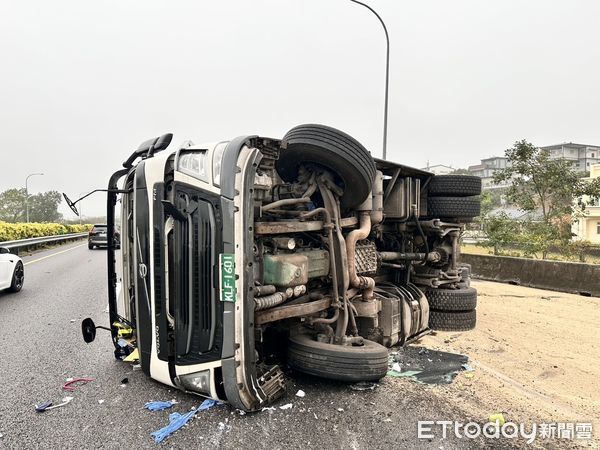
(82, 83)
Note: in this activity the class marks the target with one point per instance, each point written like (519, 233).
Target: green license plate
(227, 261)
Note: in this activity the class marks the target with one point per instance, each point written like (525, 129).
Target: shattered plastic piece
(137, 366)
(72, 320)
(42, 407)
(100, 401)
(177, 420)
(241, 412)
(300, 393)
(268, 408)
(340, 409)
(133, 356)
(286, 406)
(497, 418)
(46, 406)
(468, 368)
(363, 386)
(405, 374)
(469, 375)
(122, 343)
(396, 367)
(428, 366)
(68, 386)
(159, 405)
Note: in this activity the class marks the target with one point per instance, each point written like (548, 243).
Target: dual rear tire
(452, 309)
(454, 197)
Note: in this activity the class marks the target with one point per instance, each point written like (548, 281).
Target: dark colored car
(98, 237)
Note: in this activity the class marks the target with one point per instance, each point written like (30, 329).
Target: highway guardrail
(23, 244)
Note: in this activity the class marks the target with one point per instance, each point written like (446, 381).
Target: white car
(12, 273)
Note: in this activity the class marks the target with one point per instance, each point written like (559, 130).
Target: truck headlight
(217, 159)
(197, 382)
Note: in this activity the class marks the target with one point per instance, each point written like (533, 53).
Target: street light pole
(81, 194)
(387, 75)
(27, 193)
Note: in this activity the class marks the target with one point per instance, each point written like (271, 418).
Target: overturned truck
(242, 257)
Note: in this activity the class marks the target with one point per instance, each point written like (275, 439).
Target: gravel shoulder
(536, 355)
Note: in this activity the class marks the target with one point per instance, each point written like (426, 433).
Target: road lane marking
(53, 254)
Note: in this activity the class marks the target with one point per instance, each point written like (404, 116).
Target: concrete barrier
(577, 278)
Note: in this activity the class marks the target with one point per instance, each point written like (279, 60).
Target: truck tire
(452, 299)
(368, 362)
(452, 321)
(453, 207)
(454, 186)
(351, 163)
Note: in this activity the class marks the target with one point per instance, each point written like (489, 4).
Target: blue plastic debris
(158, 405)
(176, 421)
(43, 407)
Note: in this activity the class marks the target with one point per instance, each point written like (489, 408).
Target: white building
(583, 156)
(587, 227)
(439, 169)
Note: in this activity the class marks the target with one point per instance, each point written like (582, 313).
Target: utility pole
(27, 194)
(387, 75)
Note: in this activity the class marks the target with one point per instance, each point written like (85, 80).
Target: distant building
(439, 169)
(583, 156)
(587, 227)
(486, 169)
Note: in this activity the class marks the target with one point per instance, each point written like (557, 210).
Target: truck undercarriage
(242, 257)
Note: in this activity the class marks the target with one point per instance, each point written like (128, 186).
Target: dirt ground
(536, 355)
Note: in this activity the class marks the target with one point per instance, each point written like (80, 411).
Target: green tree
(43, 207)
(12, 205)
(549, 188)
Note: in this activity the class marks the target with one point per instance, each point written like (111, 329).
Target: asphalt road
(41, 346)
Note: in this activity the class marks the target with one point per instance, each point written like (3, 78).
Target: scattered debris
(268, 408)
(497, 418)
(100, 401)
(468, 368)
(1, 435)
(43, 406)
(125, 380)
(469, 375)
(137, 367)
(300, 393)
(177, 420)
(363, 386)
(224, 426)
(315, 414)
(72, 320)
(48, 405)
(68, 386)
(340, 409)
(286, 406)
(241, 412)
(133, 356)
(427, 366)
(159, 405)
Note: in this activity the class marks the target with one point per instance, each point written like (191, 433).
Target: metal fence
(23, 244)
